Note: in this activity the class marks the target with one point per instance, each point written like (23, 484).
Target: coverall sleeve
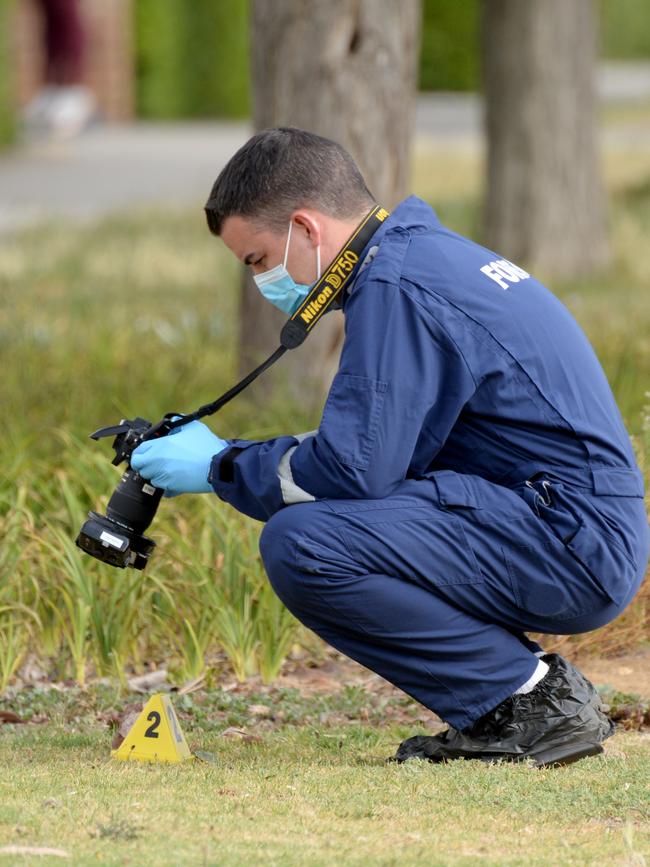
(399, 370)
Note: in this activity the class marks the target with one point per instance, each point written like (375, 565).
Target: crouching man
(471, 478)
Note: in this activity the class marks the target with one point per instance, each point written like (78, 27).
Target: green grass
(134, 316)
(313, 789)
(318, 795)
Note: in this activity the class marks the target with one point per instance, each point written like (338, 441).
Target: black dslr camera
(117, 538)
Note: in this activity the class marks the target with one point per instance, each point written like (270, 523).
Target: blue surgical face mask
(279, 287)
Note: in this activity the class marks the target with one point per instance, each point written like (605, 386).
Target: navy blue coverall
(471, 477)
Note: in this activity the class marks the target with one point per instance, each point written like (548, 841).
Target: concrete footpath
(111, 168)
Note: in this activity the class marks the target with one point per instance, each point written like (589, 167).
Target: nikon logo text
(333, 280)
(315, 306)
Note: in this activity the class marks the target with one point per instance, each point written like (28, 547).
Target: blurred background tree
(545, 202)
(350, 75)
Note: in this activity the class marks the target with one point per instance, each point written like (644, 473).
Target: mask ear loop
(286, 253)
(286, 249)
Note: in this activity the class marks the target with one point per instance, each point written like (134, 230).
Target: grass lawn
(309, 793)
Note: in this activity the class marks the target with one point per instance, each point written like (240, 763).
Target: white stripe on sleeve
(291, 492)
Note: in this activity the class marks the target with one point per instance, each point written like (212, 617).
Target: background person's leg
(65, 105)
(64, 41)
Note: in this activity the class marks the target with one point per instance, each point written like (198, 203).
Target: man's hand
(179, 462)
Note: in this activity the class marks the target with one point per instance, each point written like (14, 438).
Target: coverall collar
(413, 213)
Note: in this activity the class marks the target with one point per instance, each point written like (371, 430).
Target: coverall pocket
(589, 539)
(352, 436)
(484, 501)
(455, 489)
(548, 582)
(605, 560)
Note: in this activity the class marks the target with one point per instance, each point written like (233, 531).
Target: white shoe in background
(71, 110)
(60, 112)
(36, 111)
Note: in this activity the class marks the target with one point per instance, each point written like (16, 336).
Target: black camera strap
(324, 292)
(332, 282)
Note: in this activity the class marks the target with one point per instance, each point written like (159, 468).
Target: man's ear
(306, 222)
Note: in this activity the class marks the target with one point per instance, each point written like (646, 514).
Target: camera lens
(134, 502)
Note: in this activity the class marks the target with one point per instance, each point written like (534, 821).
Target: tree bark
(545, 204)
(345, 69)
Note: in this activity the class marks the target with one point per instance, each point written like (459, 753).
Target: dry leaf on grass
(232, 732)
(122, 722)
(150, 680)
(204, 756)
(232, 686)
(259, 710)
(31, 672)
(191, 685)
(8, 716)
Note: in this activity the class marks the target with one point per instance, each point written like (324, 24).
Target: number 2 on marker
(151, 732)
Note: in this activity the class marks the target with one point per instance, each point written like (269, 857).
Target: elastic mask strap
(286, 248)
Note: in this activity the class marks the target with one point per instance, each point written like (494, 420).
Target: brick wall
(109, 54)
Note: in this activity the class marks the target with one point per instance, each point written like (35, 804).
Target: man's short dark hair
(281, 169)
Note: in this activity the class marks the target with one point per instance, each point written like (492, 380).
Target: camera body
(118, 537)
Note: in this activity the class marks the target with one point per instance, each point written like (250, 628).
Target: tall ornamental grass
(131, 317)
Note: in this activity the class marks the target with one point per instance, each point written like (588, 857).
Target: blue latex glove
(179, 462)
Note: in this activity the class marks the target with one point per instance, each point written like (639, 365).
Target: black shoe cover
(558, 722)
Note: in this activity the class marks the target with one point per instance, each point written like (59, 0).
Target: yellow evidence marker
(156, 735)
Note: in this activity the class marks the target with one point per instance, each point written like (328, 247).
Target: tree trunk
(545, 202)
(344, 69)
